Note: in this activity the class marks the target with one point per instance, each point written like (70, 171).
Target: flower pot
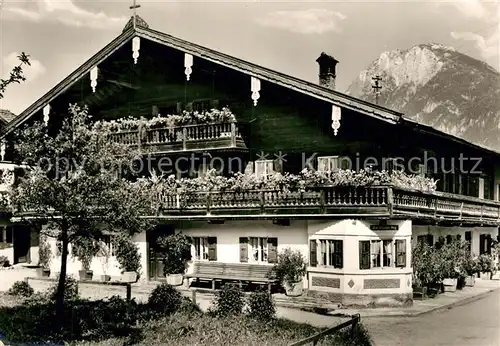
(85, 274)
(175, 279)
(485, 276)
(43, 272)
(104, 278)
(294, 289)
(434, 289)
(470, 281)
(420, 292)
(450, 285)
(129, 277)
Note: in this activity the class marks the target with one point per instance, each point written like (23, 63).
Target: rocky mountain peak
(440, 87)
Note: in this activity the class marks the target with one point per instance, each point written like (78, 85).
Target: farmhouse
(357, 241)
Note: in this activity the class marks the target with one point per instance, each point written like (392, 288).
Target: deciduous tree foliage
(16, 75)
(79, 185)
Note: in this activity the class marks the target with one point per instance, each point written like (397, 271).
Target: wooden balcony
(332, 202)
(183, 138)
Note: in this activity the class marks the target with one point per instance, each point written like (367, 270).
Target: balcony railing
(182, 138)
(372, 201)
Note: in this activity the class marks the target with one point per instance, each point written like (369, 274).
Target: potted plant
(485, 266)
(85, 249)
(44, 258)
(450, 265)
(422, 269)
(177, 249)
(290, 271)
(128, 257)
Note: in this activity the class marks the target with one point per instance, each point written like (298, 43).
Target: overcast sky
(287, 36)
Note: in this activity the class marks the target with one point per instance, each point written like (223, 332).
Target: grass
(118, 322)
(185, 329)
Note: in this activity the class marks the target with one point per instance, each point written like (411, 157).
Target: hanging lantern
(255, 87)
(93, 78)
(46, 113)
(136, 46)
(188, 64)
(336, 116)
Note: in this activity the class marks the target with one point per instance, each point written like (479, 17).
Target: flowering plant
(305, 180)
(170, 121)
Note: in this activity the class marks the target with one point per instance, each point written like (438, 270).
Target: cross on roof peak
(134, 7)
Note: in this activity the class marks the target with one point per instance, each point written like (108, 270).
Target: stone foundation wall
(365, 300)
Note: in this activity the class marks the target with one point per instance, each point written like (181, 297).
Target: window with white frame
(107, 241)
(200, 246)
(264, 167)
(258, 250)
(382, 253)
(331, 253)
(328, 163)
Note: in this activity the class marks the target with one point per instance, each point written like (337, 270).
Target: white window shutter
(322, 164)
(260, 168)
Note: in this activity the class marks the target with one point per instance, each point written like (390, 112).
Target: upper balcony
(190, 131)
(378, 198)
(182, 138)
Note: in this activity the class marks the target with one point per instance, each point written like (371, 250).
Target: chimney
(327, 74)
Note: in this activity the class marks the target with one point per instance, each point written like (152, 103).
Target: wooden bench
(233, 272)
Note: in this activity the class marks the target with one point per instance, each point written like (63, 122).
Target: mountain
(440, 87)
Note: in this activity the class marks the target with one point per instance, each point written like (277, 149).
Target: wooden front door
(156, 255)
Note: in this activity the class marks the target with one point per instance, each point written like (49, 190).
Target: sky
(287, 36)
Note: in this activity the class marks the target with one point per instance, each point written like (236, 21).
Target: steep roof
(143, 31)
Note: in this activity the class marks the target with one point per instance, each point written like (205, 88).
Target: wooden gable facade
(144, 73)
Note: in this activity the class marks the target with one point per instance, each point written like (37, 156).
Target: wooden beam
(123, 84)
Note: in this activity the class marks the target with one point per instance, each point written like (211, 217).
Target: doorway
(155, 253)
(22, 244)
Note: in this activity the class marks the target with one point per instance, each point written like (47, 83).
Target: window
(427, 238)
(331, 253)
(468, 239)
(364, 254)
(382, 253)
(387, 254)
(264, 167)
(332, 163)
(258, 249)
(200, 246)
(448, 239)
(481, 188)
(107, 241)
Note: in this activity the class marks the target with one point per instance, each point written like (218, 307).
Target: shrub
(261, 305)
(4, 261)
(165, 299)
(177, 249)
(229, 301)
(189, 307)
(127, 254)
(291, 266)
(21, 289)
(71, 289)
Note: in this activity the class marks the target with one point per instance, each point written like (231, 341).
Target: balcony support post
(322, 201)
(262, 202)
(233, 134)
(390, 200)
(461, 210)
(184, 137)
